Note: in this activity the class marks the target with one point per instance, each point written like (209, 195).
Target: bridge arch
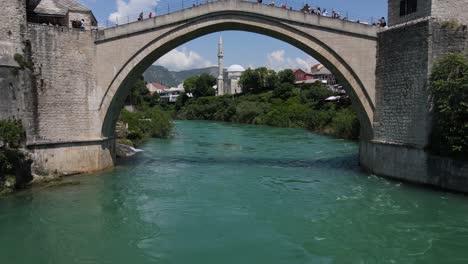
(124, 53)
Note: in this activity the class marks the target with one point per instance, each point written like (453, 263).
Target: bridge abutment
(73, 157)
(403, 118)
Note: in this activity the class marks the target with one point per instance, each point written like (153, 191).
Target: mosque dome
(235, 68)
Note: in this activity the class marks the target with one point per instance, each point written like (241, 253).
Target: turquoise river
(226, 193)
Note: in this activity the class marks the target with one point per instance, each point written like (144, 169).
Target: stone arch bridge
(347, 48)
(70, 94)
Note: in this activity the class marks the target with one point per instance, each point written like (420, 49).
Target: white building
(227, 82)
(169, 95)
(231, 84)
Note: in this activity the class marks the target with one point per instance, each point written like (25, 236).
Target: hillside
(162, 75)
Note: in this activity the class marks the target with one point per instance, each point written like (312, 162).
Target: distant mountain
(160, 74)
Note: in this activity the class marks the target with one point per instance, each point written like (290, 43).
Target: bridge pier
(73, 157)
(412, 164)
(403, 119)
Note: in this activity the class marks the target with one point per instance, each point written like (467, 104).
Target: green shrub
(449, 89)
(345, 124)
(11, 133)
(283, 91)
(151, 122)
(247, 111)
(125, 141)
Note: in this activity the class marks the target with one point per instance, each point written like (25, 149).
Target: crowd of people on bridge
(324, 12)
(306, 9)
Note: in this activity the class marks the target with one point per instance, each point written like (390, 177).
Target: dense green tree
(449, 89)
(181, 101)
(268, 79)
(201, 85)
(190, 84)
(249, 80)
(258, 80)
(314, 93)
(283, 91)
(286, 76)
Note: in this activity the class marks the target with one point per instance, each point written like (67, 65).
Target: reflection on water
(224, 193)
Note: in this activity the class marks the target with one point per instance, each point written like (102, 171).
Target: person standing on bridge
(382, 22)
(140, 17)
(150, 15)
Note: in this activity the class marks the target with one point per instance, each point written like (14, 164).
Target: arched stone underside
(124, 56)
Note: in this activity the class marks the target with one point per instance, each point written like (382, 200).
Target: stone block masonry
(12, 20)
(64, 67)
(401, 87)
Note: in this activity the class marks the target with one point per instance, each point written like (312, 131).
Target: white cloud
(183, 59)
(277, 60)
(132, 8)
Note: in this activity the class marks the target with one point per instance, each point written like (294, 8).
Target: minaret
(220, 66)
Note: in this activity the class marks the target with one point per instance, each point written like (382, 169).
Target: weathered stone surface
(402, 78)
(440, 9)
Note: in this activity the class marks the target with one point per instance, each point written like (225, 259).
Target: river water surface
(224, 193)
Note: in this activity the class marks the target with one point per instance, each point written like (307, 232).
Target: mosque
(228, 81)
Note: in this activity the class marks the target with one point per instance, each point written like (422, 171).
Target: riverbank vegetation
(271, 98)
(15, 166)
(147, 118)
(449, 89)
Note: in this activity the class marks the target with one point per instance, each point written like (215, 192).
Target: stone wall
(414, 165)
(17, 98)
(394, 18)
(446, 39)
(403, 117)
(401, 88)
(64, 68)
(450, 10)
(74, 157)
(12, 20)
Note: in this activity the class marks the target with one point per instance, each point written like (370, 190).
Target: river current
(228, 193)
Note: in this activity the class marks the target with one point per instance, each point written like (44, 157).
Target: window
(408, 6)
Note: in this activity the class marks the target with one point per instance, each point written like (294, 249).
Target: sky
(244, 48)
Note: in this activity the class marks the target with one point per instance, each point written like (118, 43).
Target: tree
(249, 80)
(449, 89)
(313, 93)
(268, 79)
(258, 80)
(181, 101)
(286, 76)
(139, 96)
(190, 84)
(201, 85)
(283, 91)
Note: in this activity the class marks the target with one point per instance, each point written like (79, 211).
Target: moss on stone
(22, 62)
(452, 24)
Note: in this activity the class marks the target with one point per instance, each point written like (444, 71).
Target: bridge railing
(174, 6)
(298, 5)
(160, 10)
